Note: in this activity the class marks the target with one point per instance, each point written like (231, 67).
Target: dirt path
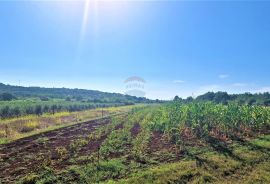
(28, 154)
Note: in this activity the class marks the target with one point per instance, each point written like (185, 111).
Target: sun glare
(90, 9)
(85, 18)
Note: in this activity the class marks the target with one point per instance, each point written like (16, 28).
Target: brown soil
(135, 130)
(119, 126)
(29, 154)
(157, 143)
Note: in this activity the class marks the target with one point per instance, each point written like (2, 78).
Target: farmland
(15, 128)
(169, 143)
(34, 106)
(134, 92)
(17, 101)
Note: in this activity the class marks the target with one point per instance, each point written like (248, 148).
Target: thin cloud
(178, 81)
(263, 89)
(223, 76)
(239, 84)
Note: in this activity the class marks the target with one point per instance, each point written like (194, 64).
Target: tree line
(11, 111)
(225, 98)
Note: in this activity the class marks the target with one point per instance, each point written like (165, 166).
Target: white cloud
(179, 81)
(223, 76)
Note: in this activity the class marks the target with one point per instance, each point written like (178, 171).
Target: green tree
(16, 111)
(7, 97)
(266, 103)
(38, 110)
(5, 112)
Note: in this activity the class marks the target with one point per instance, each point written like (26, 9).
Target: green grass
(181, 172)
(262, 141)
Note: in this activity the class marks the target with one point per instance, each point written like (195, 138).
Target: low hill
(63, 93)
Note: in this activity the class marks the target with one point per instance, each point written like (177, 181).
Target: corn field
(203, 119)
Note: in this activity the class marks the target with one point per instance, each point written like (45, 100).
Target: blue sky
(179, 47)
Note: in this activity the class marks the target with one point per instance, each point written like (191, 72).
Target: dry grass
(15, 128)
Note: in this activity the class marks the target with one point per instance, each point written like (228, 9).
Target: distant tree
(176, 98)
(209, 96)
(38, 110)
(266, 103)
(189, 99)
(16, 111)
(266, 95)
(59, 108)
(221, 97)
(44, 98)
(46, 108)
(68, 99)
(97, 100)
(251, 101)
(29, 110)
(53, 108)
(7, 97)
(5, 112)
(241, 102)
(79, 98)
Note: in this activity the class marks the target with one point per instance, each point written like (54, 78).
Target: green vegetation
(17, 108)
(16, 101)
(225, 98)
(6, 97)
(69, 94)
(198, 142)
(204, 119)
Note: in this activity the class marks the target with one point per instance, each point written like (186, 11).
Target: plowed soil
(29, 154)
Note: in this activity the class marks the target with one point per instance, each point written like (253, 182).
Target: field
(134, 92)
(36, 106)
(172, 143)
(15, 128)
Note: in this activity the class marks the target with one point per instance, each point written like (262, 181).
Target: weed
(29, 126)
(75, 145)
(62, 153)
